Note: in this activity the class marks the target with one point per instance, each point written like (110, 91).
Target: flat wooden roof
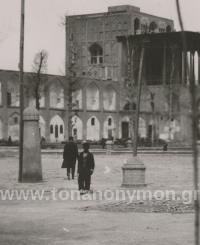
(159, 39)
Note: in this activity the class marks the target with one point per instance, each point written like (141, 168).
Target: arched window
(56, 131)
(153, 26)
(51, 129)
(168, 28)
(136, 25)
(96, 53)
(61, 129)
(93, 121)
(109, 121)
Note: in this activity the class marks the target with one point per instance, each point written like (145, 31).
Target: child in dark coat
(86, 166)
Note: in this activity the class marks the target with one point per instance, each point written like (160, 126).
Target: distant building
(99, 63)
(52, 105)
(100, 68)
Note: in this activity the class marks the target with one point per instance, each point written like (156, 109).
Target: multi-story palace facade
(96, 58)
(101, 54)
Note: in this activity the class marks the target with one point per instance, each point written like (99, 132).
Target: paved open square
(93, 222)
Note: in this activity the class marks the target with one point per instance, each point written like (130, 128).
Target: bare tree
(71, 74)
(36, 80)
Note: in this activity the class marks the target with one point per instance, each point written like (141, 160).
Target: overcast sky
(43, 28)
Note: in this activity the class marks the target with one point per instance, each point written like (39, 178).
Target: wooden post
(137, 114)
(183, 77)
(164, 64)
(192, 76)
(21, 80)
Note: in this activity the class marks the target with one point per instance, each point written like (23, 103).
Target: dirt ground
(95, 221)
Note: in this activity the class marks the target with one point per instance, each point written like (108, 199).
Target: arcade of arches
(95, 128)
(97, 114)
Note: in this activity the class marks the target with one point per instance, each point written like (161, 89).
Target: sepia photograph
(99, 122)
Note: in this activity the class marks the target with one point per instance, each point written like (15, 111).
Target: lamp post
(21, 81)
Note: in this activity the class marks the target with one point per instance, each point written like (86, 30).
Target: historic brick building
(98, 61)
(102, 57)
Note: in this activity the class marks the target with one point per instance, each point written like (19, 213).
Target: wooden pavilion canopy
(192, 39)
(164, 49)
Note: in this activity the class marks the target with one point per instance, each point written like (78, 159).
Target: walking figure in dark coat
(70, 155)
(85, 168)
